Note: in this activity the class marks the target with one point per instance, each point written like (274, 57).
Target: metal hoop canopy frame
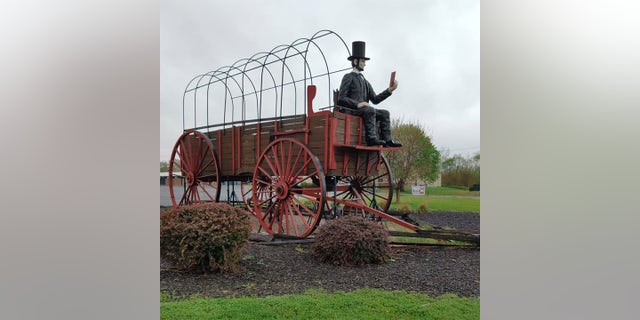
(244, 90)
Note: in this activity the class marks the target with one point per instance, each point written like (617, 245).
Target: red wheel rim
(194, 156)
(245, 190)
(285, 200)
(374, 190)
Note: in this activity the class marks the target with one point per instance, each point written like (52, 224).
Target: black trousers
(373, 119)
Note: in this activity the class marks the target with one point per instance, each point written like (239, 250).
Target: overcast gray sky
(433, 45)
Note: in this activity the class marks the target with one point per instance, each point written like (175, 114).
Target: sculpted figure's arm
(377, 98)
(394, 86)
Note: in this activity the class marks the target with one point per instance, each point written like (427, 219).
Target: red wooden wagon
(291, 168)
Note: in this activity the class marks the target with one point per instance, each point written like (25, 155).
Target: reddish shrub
(204, 237)
(350, 241)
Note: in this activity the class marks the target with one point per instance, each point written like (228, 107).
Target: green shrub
(350, 241)
(204, 237)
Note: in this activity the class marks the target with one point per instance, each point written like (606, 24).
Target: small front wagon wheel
(194, 162)
(284, 197)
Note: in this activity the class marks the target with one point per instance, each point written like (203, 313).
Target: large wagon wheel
(193, 154)
(285, 199)
(374, 189)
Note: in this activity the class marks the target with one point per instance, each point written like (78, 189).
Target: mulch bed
(291, 268)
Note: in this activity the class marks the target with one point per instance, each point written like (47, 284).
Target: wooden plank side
(291, 124)
(247, 149)
(355, 131)
(319, 132)
(221, 140)
(349, 124)
(359, 162)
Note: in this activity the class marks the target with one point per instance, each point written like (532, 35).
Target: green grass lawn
(451, 191)
(359, 304)
(318, 304)
(438, 199)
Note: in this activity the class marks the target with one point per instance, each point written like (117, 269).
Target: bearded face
(359, 64)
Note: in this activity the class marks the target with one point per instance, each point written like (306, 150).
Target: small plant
(350, 241)
(249, 286)
(405, 208)
(205, 237)
(423, 208)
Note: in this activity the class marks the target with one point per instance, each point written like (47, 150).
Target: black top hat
(357, 52)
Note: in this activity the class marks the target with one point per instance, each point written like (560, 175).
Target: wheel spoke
(371, 194)
(307, 209)
(207, 176)
(295, 164)
(289, 167)
(260, 203)
(272, 217)
(290, 224)
(273, 172)
(264, 184)
(266, 174)
(203, 155)
(301, 216)
(278, 169)
(205, 191)
(182, 153)
(306, 163)
(185, 196)
(192, 156)
(187, 155)
(201, 169)
(280, 160)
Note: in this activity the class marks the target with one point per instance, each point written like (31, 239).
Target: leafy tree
(418, 159)
(460, 171)
(164, 166)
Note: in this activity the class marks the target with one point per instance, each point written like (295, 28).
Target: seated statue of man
(355, 94)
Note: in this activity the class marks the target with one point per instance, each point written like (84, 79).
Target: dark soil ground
(291, 268)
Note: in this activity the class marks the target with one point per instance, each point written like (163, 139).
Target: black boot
(392, 144)
(375, 142)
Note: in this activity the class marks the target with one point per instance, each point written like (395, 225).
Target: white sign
(418, 190)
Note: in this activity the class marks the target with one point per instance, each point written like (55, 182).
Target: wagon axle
(282, 190)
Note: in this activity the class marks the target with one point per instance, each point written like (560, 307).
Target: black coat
(355, 89)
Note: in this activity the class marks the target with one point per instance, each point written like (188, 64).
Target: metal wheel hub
(190, 179)
(282, 190)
